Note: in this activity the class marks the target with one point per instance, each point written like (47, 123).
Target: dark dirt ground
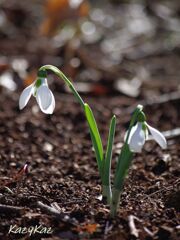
(62, 170)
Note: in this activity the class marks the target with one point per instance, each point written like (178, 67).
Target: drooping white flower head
(40, 90)
(140, 133)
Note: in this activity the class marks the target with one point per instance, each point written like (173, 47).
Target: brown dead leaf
(30, 78)
(21, 172)
(89, 228)
(55, 6)
(84, 9)
(3, 66)
(58, 11)
(18, 177)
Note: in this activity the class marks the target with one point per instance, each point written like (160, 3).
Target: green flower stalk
(106, 181)
(42, 72)
(46, 102)
(135, 139)
(124, 161)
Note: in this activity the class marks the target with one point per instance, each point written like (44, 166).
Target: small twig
(157, 100)
(133, 230)
(107, 228)
(172, 133)
(39, 197)
(56, 206)
(9, 190)
(7, 209)
(49, 210)
(163, 98)
(151, 234)
(53, 211)
(74, 201)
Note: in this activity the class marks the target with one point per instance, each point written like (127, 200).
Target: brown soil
(62, 170)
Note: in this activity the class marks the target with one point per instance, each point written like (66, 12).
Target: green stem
(114, 202)
(107, 193)
(123, 165)
(106, 181)
(66, 80)
(124, 162)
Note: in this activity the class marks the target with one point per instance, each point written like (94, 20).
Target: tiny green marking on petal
(38, 83)
(144, 127)
(141, 117)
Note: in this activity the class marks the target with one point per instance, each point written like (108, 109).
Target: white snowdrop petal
(45, 99)
(133, 129)
(25, 96)
(136, 148)
(146, 134)
(136, 144)
(137, 138)
(44, 82)
(125, 136)
(51, 107)
(158, 137)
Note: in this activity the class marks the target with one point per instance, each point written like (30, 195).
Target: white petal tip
(136, 150)
(45, 100)
(158, 137)
(164, 146)
(25, 96)
(47, 112)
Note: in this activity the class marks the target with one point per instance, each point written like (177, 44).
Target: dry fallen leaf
(89, 228)
(21, 173)
(57, 11)
(30, 78)
(18, 177)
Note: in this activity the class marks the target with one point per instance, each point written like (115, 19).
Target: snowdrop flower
(40, 90)
(140, 133)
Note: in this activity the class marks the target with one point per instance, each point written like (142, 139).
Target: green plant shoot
(136, 135)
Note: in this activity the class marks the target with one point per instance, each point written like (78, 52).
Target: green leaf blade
(108, 156)
(123, 165)
(96, 139)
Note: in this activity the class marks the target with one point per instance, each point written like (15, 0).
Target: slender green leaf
(122, 168)
(123, 165)
(96, 139)
(108, 156)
